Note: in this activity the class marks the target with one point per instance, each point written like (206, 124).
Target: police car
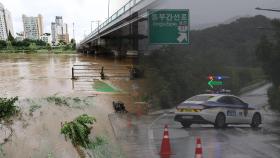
(217, 109)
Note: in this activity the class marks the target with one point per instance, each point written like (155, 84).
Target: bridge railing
(113, 17)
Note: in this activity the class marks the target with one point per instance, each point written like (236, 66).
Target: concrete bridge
(125, 32)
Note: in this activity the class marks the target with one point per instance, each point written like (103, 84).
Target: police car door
(241, 111)
(229, 109)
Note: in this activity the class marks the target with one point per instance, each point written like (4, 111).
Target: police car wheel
(220, 121)
(256, 120)
(186, 124)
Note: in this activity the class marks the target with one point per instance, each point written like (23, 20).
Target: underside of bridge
(120, 41)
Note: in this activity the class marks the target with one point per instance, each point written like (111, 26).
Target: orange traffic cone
(198, 149)
(165, 151)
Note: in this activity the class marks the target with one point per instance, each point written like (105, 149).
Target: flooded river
(36, 75)
(34, 78)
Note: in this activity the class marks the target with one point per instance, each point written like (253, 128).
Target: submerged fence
(97, 71)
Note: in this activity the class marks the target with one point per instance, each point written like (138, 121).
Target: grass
(101, 86)
(75, 102)
(58, 100)
(34, 107)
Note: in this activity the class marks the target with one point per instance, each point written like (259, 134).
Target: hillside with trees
(268, 52)
(175, 73)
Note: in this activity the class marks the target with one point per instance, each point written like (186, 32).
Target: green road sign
(169, 26)
(213, 83)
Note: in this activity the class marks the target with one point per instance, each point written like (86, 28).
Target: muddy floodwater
(37, 77)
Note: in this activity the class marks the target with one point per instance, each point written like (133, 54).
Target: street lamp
(108, 8)
(273, 10)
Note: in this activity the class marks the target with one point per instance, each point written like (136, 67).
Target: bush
(78, 130)
(274, 97)
(7, 107)
(3, 44)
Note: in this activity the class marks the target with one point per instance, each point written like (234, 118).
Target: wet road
(144, 138)
(235, 141)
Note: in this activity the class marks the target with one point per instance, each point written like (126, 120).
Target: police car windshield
(200, 98)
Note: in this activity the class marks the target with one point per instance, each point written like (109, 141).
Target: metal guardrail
(113, 17)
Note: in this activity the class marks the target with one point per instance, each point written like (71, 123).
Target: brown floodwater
(33, 77)
(36, 75)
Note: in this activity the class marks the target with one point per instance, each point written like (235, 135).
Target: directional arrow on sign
(210, 83)
(213, 83)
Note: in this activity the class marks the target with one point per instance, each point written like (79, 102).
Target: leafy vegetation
(268, 52)
(50, 155)
(78, 130)
(8, 107)
(33, 107)
(58, 100)
(28, 45)
(75, 102)
(175, 73)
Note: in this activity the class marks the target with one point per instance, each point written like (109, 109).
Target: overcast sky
(81, 12)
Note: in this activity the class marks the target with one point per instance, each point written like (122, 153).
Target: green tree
(73, 43)
(32, 46)
(268, 52)
(9, 45)
(78, 130)
(3, 44)
(62, 42)
(10, 37)
(49, 47)
(67, 47)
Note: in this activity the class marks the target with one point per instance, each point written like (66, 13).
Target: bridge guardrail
(113, 17)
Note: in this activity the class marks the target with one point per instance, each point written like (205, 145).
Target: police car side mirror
(246, 105)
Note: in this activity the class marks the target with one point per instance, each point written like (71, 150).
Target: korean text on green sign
(169, 26)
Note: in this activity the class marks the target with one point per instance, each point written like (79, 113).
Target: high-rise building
(6, 24)
(40, 24)
(59, 31)
(58, 20)
(46, 38)
(33, 27)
